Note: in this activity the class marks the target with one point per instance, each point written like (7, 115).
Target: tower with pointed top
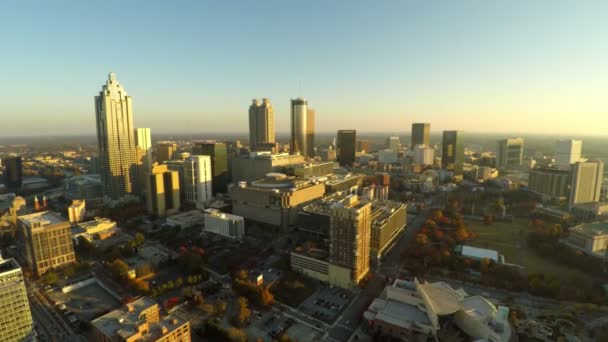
(36, 203)
(115, 139)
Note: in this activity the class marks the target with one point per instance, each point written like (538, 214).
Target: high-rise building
(197, 179)
(510, 153)
(310, 133)
(421, 134)
(567, 152)
(48, 241)
(13, 171)
(230, 226)
(115, 139)
(452, 152)
(15, 317)
(162, 191)
(261, 124)
(364, 146)
(423, 155)
(143, 149)
(550, 183)
(586, 182)
(346, 146)
(394, 143)
(219, 163)
(299, 130)
(350, 236)
(165, 151)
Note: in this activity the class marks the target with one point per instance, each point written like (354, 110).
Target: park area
(509, 239)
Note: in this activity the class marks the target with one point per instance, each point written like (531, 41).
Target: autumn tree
(422, 239)
(220, 307)
(243, 312)
(236, 335)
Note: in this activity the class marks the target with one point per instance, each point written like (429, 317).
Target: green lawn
(509, 239)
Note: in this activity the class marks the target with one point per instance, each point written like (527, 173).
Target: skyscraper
(261, 123)
(115, 139)
(346, 146)
(310, 133)
(350, 236)
(15, 317)
(162, 191)
(510, 153)
(143, 149)
(13, 172)
(394, 143)
(586, 182)
(421, 134)
(219, 163)
(567, 152)
(452, 152)
(197, 179)
(299, 131)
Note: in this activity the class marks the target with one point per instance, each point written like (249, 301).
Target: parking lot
(270, 324)
(326, 304)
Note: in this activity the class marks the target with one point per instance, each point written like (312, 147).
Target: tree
(179, 282)
(208, 309)
(120, 268)
(143, 269)
(236, 335)
(139, 239)
(170, 285)
(241, 275)
(243, 312)
(69, 271)
(266, 298)
(50, 278)
(220, 307)
(422, 239)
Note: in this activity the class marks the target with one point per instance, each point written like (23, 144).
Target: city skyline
(523, 66)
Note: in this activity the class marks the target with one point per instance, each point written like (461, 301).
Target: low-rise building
(591, 238)
(343, 183)
(96, 230)
(257, 165)
(230, 226)
(186, 219)
(140, 320)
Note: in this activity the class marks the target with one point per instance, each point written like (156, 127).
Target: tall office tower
(162, 191)
(586, 182)
(421, 134)
(510, 153)
(219, 163)
(310, 133)
(115, 139)
(261, 124)
(165, 151)
(394, 143)
(364, 146)
(346, 146)
(452, 152)
(48, 241)
(13, 172)
(299, 131)
(197, 179)
(350, 235)
(567, 152)
(15, 317)
(143, 151)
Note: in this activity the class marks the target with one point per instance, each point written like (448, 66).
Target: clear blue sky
(193, 66)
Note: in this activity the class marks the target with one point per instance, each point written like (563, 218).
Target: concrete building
(94, 231)
(313, 169)
(452, 152)
(87, 187)
(567, 152)
(510, 154)
(165, 151)
(48, 241)
(177, 165)
(350, 236)
(16, 323)
(115, 139)
(586, 182)
(388, 156)
(76, 211)
(257, 165)
(143, 149)
(346, 146)
(414, 311)
(198, 181)
(310, 133)
(364, 146)
(162, 191)
(187, 219)
(591, 238)
(421, 134)
(388, 221)
(230, 226)
(423, 155)
(299, 127)
(219, 163)
(261, 124)
(140, 320)
(327, 154)
(350, 183)
(274, 200)
(549, 183)
(394, 144)
(13, 171)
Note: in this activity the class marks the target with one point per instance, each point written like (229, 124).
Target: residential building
(261, 124)
(198, 187)
(76, 211)
(115, 139)
(421, 134)
(423, 155)
(162, 191)
(87, 187)
(586, 182)
(165, 150)
(452, 152)
(140, 320)
(510, 154)
(13, 171)
(349, 237)
(549, 183)
(299, 131)
(274, 200)
(219, 163)
(567, 152)
(48, 241)
(256, 165)
(388, 220)
(346, 146)
(230, 226)
(16, 323)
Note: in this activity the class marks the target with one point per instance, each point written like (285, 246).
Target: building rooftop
(221, 215)
(591, 229)
(479, 253)
(43, 217)
(7, 265)
(312, 250)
